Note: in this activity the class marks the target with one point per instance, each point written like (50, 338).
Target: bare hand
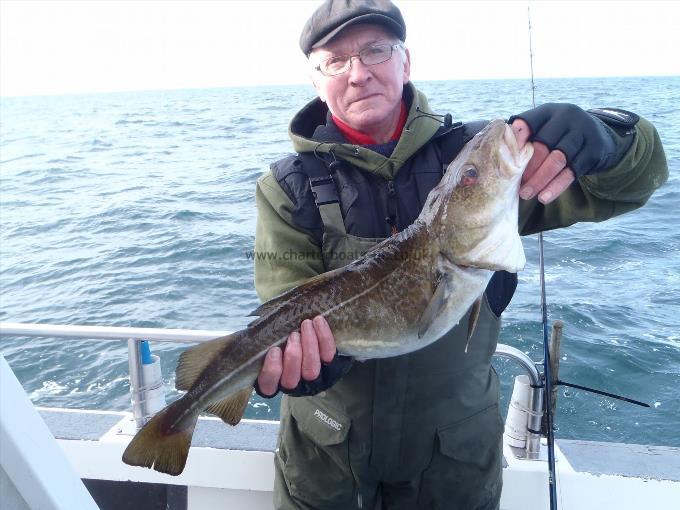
(301, 357)
(547, 174)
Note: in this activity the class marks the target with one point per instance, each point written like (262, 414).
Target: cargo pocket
(314, 455)
(465, 471)
(474, 441)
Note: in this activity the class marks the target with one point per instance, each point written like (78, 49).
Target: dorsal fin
(195, 359)
(231, 409)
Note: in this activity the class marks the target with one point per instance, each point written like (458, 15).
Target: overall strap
(451, 142)
(325, 193)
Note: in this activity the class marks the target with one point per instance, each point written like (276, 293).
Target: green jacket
(598, 197)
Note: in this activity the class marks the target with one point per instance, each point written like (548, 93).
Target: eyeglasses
(375, 54)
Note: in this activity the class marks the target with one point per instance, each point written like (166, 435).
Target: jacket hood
(308, 132)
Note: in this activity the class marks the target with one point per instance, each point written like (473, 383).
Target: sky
(69, 47)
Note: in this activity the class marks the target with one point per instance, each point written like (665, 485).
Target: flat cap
(335, 15)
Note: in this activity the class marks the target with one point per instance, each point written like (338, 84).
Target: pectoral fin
(474, 317)
(231, 409)
(435, 306)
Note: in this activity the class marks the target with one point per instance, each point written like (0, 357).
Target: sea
(137, 209)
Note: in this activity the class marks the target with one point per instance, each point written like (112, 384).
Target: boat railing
(139, 387)
(134, 338)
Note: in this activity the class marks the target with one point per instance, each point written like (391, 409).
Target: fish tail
(163, 443)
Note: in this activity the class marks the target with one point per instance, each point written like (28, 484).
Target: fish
(400, 296)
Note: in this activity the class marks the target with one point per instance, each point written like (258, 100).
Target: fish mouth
(512, 154)
(510, 139)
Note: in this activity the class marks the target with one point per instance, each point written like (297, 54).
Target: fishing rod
(548, 381)
(547, 370)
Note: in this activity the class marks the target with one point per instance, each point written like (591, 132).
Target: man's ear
(315, 81)
(314, 75)
(407, 65)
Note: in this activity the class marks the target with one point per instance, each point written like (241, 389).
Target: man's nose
(358, 71)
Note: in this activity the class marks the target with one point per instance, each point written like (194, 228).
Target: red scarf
(358, 138)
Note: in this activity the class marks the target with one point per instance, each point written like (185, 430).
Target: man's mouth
(363, 98)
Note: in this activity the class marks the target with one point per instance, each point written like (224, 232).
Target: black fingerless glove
(329, 375)
(592, 141)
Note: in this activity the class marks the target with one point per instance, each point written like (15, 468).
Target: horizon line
(307, 84)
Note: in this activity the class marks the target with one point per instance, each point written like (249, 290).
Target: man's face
(367, 98)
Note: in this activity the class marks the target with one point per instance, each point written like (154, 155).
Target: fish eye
(469, 176)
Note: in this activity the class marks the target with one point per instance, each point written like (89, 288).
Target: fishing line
(559, 382)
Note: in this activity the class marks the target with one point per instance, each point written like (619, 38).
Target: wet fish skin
(401, 296)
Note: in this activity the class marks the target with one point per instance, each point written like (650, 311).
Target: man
(421, 430)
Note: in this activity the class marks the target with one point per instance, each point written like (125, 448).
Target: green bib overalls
(420, 431)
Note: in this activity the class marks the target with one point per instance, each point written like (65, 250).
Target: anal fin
(231, 409)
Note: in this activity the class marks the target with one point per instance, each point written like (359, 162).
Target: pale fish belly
(381, 345)
(464, 287)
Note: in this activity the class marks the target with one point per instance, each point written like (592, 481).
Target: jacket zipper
(391, 207)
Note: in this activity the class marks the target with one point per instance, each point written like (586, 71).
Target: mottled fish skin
(401, 296)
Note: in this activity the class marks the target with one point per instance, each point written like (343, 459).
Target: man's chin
(367, 120)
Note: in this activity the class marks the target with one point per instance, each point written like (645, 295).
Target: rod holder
(532, 404)
(146, 382)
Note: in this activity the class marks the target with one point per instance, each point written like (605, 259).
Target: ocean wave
(138, 213)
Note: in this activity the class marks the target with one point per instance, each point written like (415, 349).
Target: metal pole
(136, 382)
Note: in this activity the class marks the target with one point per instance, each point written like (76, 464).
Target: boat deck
(232, 467)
